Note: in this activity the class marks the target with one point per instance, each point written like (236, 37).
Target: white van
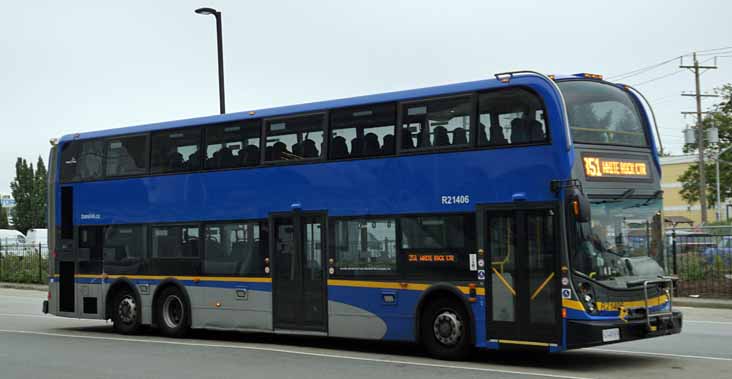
(36, 238)
(11, 239)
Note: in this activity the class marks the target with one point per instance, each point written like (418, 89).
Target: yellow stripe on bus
(191, 278)
(527, 343)
(615, 305)
(395, 285)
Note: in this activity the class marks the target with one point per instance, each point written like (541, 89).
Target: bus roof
(309, 107)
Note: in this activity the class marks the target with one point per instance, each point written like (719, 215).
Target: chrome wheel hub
(127, 310)
(173, 311)
(448, 328)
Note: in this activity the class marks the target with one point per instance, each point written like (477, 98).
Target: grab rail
(668, 289)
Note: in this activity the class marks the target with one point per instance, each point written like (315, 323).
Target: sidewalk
(702, 302)
(25, 286)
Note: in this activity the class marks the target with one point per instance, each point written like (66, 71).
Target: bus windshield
(622, 242)
(602, 114)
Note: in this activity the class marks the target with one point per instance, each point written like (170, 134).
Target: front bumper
(585, 333)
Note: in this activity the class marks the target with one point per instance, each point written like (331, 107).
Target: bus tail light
(564, 312)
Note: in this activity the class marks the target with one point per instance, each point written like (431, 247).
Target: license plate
(610, 335)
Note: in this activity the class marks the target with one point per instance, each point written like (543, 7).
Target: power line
(717, 49)
(657, 78)
(642, 70)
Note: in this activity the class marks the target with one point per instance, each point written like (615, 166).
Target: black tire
(173, 313)
(448, 338)
(126, 312)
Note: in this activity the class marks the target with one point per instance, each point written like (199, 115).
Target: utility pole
(700, 135)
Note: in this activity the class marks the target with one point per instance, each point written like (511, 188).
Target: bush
(23, 268)
(691, 267)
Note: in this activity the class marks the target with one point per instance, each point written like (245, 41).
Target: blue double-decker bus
(521, 211)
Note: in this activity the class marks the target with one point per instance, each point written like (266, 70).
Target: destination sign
(603, 167)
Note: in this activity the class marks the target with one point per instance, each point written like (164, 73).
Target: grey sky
(98, 65)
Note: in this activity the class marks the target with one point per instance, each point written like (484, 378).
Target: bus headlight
(587, 297)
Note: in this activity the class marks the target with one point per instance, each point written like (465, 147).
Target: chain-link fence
(702, 259)
(23, 263)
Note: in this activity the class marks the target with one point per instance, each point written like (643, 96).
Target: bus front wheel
(173, 313)
(445, 329)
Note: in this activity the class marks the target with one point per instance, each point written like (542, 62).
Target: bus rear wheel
(126, 312)
(173, 313)
(445, 329)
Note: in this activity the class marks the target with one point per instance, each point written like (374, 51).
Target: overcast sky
(98, 65)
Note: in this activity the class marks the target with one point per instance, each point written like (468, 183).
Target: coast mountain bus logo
(91, 216)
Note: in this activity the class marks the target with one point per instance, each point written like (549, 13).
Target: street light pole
(220, 45)
(719, 197)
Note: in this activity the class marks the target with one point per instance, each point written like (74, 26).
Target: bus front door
(298, 280)
(522, 275)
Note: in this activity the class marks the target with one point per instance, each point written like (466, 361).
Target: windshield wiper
(628, 193)
(655, 196)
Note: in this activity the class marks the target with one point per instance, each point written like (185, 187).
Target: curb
(703, 303)
(25, 286)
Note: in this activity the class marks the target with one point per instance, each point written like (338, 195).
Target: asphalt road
(33, 345)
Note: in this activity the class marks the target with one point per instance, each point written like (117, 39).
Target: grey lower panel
(352, 322)
(53, 300)
(92, 294)
(231, 308)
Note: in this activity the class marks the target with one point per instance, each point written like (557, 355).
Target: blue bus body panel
(535, 82)
(389, 185)
(398, 185)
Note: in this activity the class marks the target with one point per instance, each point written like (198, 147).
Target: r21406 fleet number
(459, 199)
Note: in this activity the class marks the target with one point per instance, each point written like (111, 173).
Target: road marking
(295, 352)
(660, 354)
(50, 317)
(708, 322)
(41, 297)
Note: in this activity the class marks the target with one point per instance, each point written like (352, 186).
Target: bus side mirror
(579, 205)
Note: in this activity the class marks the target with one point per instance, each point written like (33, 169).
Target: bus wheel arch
(457, 309)
(123, 294)
(172, 299)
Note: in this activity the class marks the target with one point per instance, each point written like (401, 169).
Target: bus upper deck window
(509, 117)
(436, 123)
(295, 138)
(232, 144)
(363, 132)
(177, 150)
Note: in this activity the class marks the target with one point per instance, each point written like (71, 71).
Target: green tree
(722, 119)
(29, 191)
(40, 189)
(4, 219)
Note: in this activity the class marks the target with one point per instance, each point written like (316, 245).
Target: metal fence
(23, 263)
(702, 259)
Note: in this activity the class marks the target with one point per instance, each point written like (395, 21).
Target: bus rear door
(298, 280)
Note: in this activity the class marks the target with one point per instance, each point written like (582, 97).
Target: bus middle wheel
(173, 313)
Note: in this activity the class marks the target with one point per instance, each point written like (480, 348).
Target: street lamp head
(207, 11)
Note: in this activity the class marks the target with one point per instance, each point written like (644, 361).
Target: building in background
(673, 204)
(7, 202)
